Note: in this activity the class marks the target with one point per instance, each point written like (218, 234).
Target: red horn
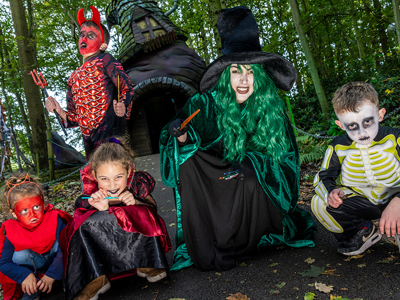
(95, 15)
(80, 16)
(96, 19)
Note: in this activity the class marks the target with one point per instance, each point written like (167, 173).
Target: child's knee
(319, 209)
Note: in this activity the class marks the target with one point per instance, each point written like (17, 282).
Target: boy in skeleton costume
(93, 88)
(367, 162)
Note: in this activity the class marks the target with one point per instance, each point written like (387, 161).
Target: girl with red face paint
(93, 88)
(31, 259)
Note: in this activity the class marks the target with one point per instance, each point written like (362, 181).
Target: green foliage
(330, 29)
(311, 150)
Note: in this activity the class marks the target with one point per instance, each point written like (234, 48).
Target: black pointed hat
(241, 45)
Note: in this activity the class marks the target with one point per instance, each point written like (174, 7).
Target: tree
(215, 8)
(309, 57)
(27, 62)
(396, 14)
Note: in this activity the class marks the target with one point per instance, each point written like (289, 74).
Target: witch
(235, 167)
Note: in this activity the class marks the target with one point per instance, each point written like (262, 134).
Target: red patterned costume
(91, 91)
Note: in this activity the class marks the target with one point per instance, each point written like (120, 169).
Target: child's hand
(334, 198)
(52, 104)
(98, 201)
(127, 198)
(45, 284)
(119, 108)
(390, 219)
(29, 284)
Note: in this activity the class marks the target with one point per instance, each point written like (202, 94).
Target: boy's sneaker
(92, 291)
(151, 274)
(360, 242)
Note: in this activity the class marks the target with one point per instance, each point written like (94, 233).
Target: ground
(278, 273)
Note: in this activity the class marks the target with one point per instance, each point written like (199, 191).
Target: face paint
(112, 178)
(89, 40)
(362, 127)
(242, 82)
(30, 211)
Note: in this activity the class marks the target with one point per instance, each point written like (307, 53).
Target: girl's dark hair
(21, 184)
(111, 152)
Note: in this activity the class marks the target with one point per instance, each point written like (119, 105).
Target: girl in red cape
(116, 230)
(31, 259)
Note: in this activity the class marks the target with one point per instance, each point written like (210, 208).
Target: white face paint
(362, 127)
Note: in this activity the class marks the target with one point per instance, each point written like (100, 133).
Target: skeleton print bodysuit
(371, 172)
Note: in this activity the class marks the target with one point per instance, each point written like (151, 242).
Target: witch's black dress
(228, 216)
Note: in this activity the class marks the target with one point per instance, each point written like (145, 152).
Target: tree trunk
(396, 14)
(27, 62)
(309, 57)
(215, 7)
(381, 29)
(360, 44)
(17, 94)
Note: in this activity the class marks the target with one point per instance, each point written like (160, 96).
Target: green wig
(257, 124)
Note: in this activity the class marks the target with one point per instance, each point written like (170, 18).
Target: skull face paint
(30, 211)
(362, 127)
(90, 40)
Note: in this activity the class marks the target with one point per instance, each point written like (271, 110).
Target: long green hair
(257, 124)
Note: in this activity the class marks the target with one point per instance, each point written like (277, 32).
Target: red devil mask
(95, 18)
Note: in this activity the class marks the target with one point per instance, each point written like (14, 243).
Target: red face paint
(30, 211)
(90, 40)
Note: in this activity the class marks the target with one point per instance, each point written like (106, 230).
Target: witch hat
(241, 45)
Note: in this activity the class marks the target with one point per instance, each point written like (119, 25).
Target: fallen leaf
(275, 293)
(243, 264)
(330, 272)
(218, 273)
(280, 285)
(344, 289)
(273, 264)
(145, 287)
(309, 260)
(274, 271)
(387, 260)
(171, 224)
(336, 297)
(309, 296)
(362, 265)
(354, 257)
(237, 296)
(313, 271)
(323, 287)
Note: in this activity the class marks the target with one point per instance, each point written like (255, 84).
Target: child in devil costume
(94, 86)
(111, 237)
(31, 259)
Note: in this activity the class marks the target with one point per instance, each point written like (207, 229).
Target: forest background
(330, 42)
